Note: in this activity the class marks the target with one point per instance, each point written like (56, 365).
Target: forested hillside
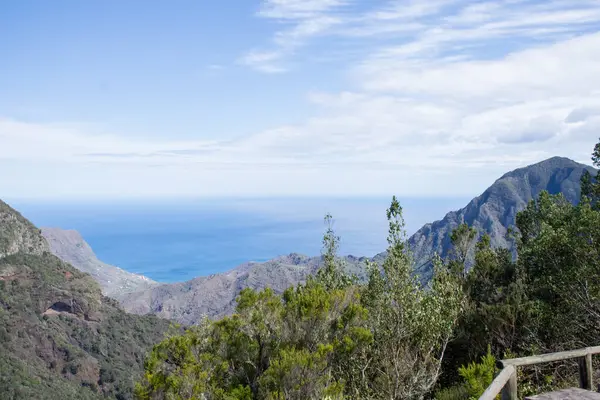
(59, 337)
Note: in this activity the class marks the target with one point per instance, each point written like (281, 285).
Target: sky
(136, 99)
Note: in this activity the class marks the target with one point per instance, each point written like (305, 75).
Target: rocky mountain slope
(214, 296)
(492, 212)
(60, 338)
(70, 247)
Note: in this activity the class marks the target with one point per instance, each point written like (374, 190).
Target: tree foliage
(590, 185)
(546, 300)
(330, 337)
(560, 258)
(332, 275)
(462, 239)
(411, 324)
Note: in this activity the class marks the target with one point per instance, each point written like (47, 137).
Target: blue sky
(109, 99)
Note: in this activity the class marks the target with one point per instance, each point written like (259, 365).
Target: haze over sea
(177, 240)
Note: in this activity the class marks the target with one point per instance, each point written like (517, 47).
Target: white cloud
(582, 114)
(448, 80)
(422, 28)
(560, 69)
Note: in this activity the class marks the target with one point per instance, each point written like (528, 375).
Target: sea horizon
(177, 240)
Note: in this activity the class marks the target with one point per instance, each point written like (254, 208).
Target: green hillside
(59, 337)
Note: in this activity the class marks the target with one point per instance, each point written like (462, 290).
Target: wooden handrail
(506, 380)
(550, 357)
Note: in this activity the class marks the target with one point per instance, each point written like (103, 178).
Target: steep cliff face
(70, 247)
(60, 338)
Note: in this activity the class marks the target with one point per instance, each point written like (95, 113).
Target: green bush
(478, 376)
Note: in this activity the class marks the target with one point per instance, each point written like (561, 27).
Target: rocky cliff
(69, 246)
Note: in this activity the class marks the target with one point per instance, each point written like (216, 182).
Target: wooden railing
(506, 380)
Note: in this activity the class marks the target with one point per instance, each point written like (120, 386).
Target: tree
(329, 337)
(596, 155)
(590, 186)
(411, 324)
(308, 343)
(296, 346)
(587, 184)
(332, 274)
(478, 376)
(462, 243)
(559, 252)
(497, 310)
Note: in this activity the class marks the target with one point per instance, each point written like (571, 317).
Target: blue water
(173, 240)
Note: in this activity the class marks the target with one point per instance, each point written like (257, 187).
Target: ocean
(177, 240)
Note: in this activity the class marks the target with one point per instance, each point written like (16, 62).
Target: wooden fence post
(586, 377)
(510, 390)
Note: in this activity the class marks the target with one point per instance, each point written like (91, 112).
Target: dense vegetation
(546, 300)
(392, 337)
(59, 337)
(329, 337)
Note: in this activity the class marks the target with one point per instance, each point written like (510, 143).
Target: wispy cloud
(447, 79)
(419, 29)
(72, 144)
(301, 19)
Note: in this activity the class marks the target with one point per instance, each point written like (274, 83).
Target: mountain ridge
(494, 211)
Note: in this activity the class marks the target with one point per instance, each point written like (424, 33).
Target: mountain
(70, 247)
(495, 210)
(214, 295)
(492, 212)
(60, 338)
